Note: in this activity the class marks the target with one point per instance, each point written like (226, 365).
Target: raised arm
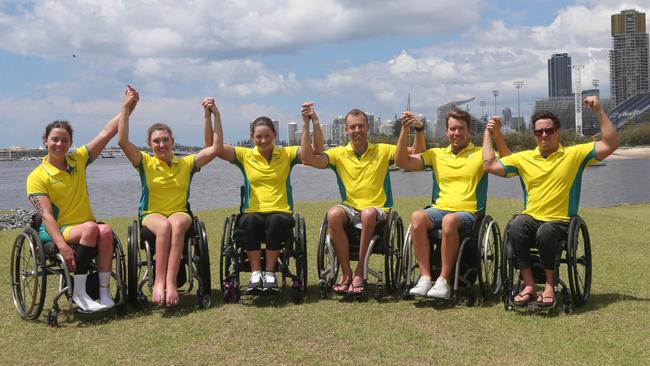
(43, 208)
(99, 142)
(609, 142)
(490, 162)
(215, 145)
(227, 152)
(130, 150)
(308, 154)
(318, 144)
(402, 157)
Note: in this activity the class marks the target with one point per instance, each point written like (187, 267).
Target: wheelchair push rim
(579, 261)
(204, 292)
(393, 237)
(229, 273)
(326, 264)
(489, 251)
(28, 278)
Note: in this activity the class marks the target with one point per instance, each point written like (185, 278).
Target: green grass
(611, 328)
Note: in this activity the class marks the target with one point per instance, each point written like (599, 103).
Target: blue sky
(72, 59)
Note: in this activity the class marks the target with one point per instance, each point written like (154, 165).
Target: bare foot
(342, 287)
(172, 296)
(357, 285)
(525, 296)
(158, 295)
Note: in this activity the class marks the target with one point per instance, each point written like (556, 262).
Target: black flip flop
(528, 300)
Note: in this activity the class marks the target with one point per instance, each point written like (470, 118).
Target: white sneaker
(255, 280)
(270, 281)
(440, 290)
(422, 287)
(81, 298)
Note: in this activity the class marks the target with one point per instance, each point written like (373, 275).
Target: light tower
(495, 93)
(482, 104)
(577, 93)
(518, 84)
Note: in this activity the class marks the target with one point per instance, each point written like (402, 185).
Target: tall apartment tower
(292, 128)
(628, 58)
(559, 75)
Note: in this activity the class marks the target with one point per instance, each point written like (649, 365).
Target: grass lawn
(612, 328)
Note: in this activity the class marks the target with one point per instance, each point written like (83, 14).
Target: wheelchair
(195, 264)
(32, 261)
(233, 258)
(385, 241)
(575, 256)
(477, 261)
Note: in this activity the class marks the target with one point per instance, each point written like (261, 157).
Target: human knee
(369, 216)
(336, 217)
(450, 223)
(105, 232)
(90, 232)
(419, 220)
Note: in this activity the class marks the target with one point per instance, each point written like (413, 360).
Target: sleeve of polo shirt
(294, 156)
(191, 161)
(390, 151)
(83, 155)
(144, 160)
(240, 154)
(333, 155)
(36, 185)
(511, 164)
(427, 157)
(587, 152)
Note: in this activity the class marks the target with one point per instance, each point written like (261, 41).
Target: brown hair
(158, 127)
(460, 115)
(263, 121)
(546, 115)
(356, 112)
(57, 124)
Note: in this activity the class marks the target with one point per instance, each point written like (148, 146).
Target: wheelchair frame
(484, 242)
(575, 254)
(387, 280)
(32, 261)
(195, 261)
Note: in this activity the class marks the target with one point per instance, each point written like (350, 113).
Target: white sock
(269, 277)
(105, 297)
(81, 298)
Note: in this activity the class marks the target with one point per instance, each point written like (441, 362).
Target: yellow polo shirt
(66, 190)
(267, 183)
(165, 188)
(459, 183)
(552, 185)
(363, 182)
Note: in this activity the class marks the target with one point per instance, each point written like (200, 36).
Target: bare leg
(336, 220)
(420, 225)
(104, 248)
(162, 228)
(180, 222)
(450, 244)
(368, 223)
(549, 288)
(271, 259)
(254, 258)
(529, 284)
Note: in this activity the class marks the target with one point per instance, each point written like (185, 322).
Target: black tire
(204, 259)
(579, 261)
(489, 252)
(118, 274)
(133, 259)
(301, 252)
(229, 270)
(324, 261)
(509, 274)
(407, 276)
(225, 243)
(393, 239)
(28, 277)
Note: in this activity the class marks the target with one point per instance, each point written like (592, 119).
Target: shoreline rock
(19, 218)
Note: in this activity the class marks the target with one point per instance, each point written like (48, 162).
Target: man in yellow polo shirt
(362, 174)
(459, 192)
(551, 175)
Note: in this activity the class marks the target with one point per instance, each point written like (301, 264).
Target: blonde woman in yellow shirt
(165, 183)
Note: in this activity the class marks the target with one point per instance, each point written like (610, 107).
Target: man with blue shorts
(459, 192)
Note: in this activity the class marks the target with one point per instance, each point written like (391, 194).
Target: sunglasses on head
(549, 131)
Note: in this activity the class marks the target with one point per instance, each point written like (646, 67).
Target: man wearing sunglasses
(551, 175)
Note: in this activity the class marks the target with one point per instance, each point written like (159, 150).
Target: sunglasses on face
(542, 131)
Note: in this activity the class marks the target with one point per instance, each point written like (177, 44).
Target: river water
(114, 185)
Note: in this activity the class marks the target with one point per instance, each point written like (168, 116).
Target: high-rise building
(292, 128)
(327, 132)
(371, 124)
(507, 119)
(276, 124)
(628, 58)
(338, 131)
(559, 75)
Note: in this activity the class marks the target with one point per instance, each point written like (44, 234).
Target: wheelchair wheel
(326, 265)
(229, 273)
(489, 248)
(133, 262)
(118, 286)
(393, 239)
(300, 250)
(408, 264)
(204, 293)
(510, 278)
(579, 261)
(28, 278)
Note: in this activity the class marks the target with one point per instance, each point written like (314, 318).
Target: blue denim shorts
(436, 215)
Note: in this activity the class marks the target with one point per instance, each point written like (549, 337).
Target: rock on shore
(20, 218)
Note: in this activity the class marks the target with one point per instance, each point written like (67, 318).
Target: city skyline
(266, 59)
